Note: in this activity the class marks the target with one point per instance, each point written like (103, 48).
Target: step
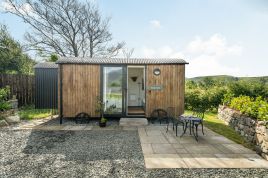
(133, 122)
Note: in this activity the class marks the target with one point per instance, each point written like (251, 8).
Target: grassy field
(29, 113)
(213, 123)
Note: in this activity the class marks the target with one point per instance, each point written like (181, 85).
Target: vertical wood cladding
(172, 81)
(80, 88)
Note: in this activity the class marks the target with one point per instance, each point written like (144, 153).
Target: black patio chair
(198, 114)
(176, 121)
(82, 118)
(159, 115)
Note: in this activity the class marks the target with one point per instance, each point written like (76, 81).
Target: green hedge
(256, 108)
(4, 93)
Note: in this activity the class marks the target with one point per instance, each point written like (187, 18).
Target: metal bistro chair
(82, 117)
(199, 114)
(159, 115)
(174, 120)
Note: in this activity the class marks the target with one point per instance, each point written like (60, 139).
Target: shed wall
(172, 81)
(80, 88)
(46, 86)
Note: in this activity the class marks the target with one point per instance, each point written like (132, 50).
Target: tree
(66, 27)
(12, 58)
(53, 58)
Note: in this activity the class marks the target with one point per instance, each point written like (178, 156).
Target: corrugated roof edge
(46, 65)
(87, 60)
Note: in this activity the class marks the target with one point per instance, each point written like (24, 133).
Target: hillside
(228, 78)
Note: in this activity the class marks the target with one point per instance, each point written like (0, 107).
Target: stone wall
(10, 116)
(255, 132)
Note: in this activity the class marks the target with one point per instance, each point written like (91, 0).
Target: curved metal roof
(87, 60)
(46, 65)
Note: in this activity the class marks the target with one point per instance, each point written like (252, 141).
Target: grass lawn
(29, 113)
(212, 122)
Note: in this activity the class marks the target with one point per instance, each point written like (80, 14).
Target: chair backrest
(154, 114)
(159, 113)
(82, 115)
(198, 114)
(171, 112)
(162, 113)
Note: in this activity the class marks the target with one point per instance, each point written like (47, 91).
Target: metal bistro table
(191, 121)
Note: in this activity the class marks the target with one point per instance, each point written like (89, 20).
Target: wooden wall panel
(172, 79)
(80, 88)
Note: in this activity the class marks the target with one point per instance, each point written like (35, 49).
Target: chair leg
(196, 131)
(190, 128)
(202, 128)
(167, 127)
(176, 130)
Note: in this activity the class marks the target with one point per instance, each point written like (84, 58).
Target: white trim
(135, 66)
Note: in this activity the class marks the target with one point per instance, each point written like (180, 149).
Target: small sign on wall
(155, 87)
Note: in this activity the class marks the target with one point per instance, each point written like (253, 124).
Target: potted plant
(102, 122)
(100, 108)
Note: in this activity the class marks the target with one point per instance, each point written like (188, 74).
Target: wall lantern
(157, 71)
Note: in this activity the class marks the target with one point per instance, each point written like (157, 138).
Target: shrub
(204, 100)
(256, 108)
(4, 94)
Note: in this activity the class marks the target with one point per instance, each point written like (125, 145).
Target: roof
(87, 60)
(46, 65)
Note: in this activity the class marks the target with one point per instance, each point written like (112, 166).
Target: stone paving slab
(164, 163)
(147, 148)
(165, 150)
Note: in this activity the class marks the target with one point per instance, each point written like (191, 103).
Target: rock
(241, 126)
(258, 150)
(266, 138)
(13, 119)
(247, 121)
(3, 123)
(252, 122)
(242, 133)
(14, 103)
(261, 129)
(265, 156)
(260, 123)
(250, 139)
(259, 138)
(236, 129)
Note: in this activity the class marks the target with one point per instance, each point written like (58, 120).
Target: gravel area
(95, 153)
(70, 121)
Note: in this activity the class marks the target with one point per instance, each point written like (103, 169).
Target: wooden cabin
(134, 87)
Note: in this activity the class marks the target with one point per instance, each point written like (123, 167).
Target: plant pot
(102, 124)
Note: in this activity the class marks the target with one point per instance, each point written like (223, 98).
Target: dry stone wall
(254, 131)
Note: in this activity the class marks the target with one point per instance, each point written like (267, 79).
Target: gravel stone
(93, 153)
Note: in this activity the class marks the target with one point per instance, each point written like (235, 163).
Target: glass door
(113, 90)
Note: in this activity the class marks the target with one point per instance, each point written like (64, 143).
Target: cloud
(155, 23)
(206, 56)
(205, 65)
(215, 45)
(23, 8)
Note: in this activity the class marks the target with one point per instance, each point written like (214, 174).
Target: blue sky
(215, 36)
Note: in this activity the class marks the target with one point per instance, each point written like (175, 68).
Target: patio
(165, 150)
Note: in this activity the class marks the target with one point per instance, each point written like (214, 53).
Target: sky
(216, 37)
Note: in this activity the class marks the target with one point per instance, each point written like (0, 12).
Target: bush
(249, 88)
(4, 94)
(256, 108)
(204, 99)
